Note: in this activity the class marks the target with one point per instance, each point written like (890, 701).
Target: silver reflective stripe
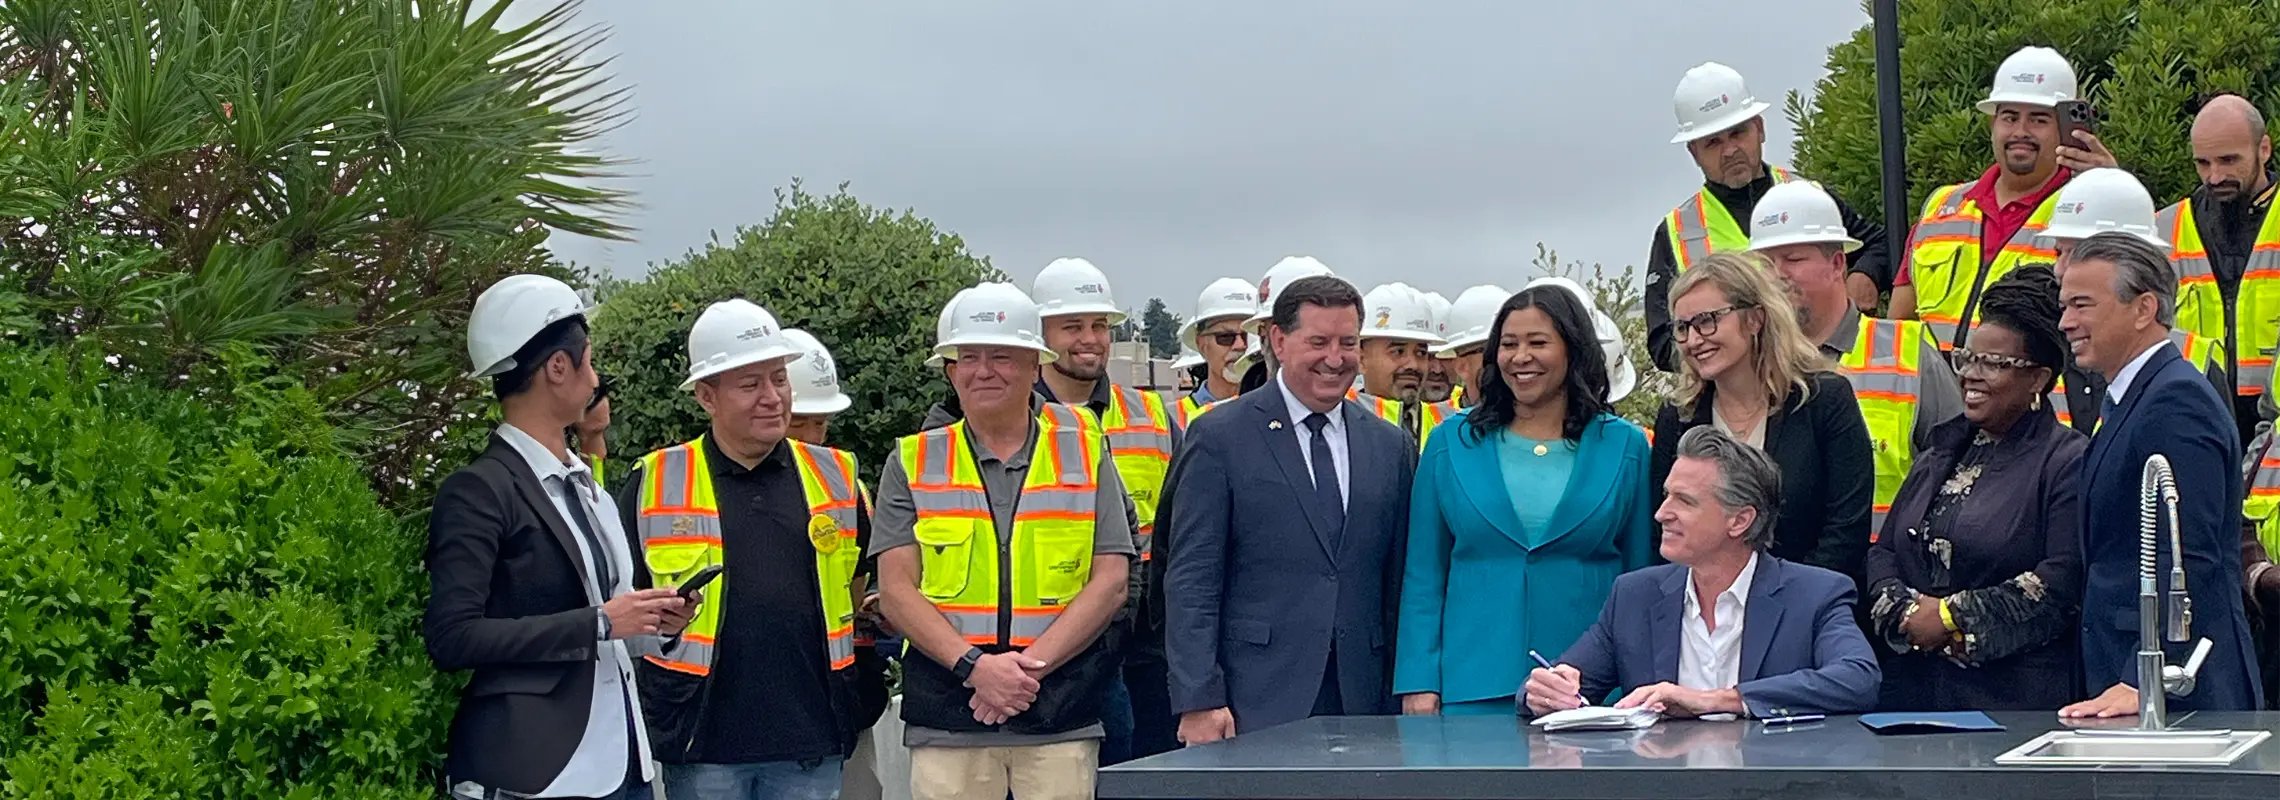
(673, 476)
(673, 472)
(1068, 443)
(659, 526)
(972, 624)
(935, 467)
(831, 472)
(939, 500)
(690, 653)
(1065, 501)
(1691, 238)
(1027, 627)
(841, 648)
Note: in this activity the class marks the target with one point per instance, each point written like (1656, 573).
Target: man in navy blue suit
(1286, 540)
(1726, 628)
(2120, 296)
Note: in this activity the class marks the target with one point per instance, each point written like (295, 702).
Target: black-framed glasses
(1968, 359)
(1229, 338)
(1703, 324)
(601, 391)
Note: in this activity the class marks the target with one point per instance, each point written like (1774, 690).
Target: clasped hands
(1560, 688)
(1005, 685)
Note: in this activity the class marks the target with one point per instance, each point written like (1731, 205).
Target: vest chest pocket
(1059, 560)
(670, 564)
(946, 556)
(1933, 266)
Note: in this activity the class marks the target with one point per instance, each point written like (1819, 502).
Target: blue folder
(1902, 723)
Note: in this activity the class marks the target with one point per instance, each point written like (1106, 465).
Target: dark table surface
(1429, 758)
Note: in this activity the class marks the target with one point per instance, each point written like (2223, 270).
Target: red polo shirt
(1998, 221)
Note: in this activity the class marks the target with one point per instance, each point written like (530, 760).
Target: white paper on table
(1599, 718)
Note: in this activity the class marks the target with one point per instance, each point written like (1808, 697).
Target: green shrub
(2145, 64)
(203, 599)
(866, 282)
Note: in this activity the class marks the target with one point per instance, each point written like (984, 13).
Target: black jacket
(507, 599)
(1828, 473)
(1662, 265)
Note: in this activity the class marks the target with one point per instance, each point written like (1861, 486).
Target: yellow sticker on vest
(824, 534)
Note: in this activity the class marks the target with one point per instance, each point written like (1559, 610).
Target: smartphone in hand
(698, 581)
(2075, 115)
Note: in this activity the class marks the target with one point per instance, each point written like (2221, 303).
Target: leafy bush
(328, 181)
(866, 282)
(202, 602)
(2145, 64)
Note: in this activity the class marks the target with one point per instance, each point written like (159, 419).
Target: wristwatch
(965, 667)
(602, 624)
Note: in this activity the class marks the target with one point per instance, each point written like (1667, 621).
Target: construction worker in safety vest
(1905, 385)
(1217, 335)
(1003, 551)
(787, 523)
(532, 587)
(2100, 201)
(1397, 337)
(1465, 339)
(2227, 250)
(1723, 127)
(1971, 233)
(1439, 388)
(1079, 310)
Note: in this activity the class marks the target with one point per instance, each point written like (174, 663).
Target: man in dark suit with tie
(1282, 577)
(2120, 296)
(530, 577)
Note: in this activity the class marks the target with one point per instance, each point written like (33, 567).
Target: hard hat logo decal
(1266, 289)
(1089, 288)
(1384, 319)
(987, 316)
(1713, 105)
(2068, 208)
(1771, 220)
(761, 332)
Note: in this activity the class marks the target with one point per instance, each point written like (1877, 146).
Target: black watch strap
(965, 666)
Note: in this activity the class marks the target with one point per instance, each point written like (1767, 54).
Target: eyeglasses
(1703, 324)
(1229, 338)
(1968, 359)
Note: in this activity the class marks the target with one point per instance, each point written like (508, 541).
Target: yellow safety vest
(1702, 226)
(680, 534)
(1050, 557)
(1141, 443)
(1456, 397)
(2198, 351)
(1945, 263)
(1883, 366)
(2201, 305)
(1389, 409)
(594, 462)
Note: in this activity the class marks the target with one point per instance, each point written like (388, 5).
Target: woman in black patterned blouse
(1975, 581)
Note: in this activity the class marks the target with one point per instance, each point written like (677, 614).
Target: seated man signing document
(1724, 629)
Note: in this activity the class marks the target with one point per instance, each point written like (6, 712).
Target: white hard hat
(1622, 375)
(994, 315)
(2102, 200)
(512, 311)
(1710, 99)
(1471, 317)
(1071, 286)
(1396, 311)
(1798, 212)
(1226, 297)
(1440, 308)
(1253, 352)
(1291, 268)
(734, 333)
(815, 377)
(2035, 76)
(1188, 358)
(942, 326)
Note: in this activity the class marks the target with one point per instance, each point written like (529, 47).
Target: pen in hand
(1539, 658)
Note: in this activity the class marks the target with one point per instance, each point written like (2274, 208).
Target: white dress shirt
(1334, 433)
(1712, 659)
(597, 768)
(2120, 385)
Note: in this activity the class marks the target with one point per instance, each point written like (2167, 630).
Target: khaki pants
(1043, 772)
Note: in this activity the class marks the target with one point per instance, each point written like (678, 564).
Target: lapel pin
(1274, 424)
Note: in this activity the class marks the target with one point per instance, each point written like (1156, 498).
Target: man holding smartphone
(1973, 233)
(758, 698)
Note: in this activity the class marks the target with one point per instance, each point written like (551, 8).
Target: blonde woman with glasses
(1746, 368)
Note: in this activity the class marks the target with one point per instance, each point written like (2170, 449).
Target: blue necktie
(1326, 494)
(2106, 408)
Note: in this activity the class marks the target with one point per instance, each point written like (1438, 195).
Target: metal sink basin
(2096, 747)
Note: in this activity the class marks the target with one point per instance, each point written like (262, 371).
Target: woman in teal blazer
(1526, 507)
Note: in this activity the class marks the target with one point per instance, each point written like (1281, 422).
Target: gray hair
(2139, 268)
(1747, 478)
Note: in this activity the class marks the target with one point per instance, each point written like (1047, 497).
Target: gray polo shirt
(894, 519)
(1939, 395)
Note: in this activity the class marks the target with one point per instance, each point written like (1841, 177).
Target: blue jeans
(1115, 722)
(775, 780)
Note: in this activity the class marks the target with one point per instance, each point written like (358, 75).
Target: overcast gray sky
(1175, 142)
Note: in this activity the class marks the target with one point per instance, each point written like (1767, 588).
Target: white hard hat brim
(2051, 236)
(1190, 329)
(784, 352)
(1714, 127)
(1449, 348)
(822, 406)
(1995, 99)
(948, 351)
(1115, 315)
(1406, 336)
(1185, 362)
(1770, 242)
(1623, 379)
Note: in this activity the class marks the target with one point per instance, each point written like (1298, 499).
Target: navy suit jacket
(1802, 653)
(2169, 409)
(1254, 596)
